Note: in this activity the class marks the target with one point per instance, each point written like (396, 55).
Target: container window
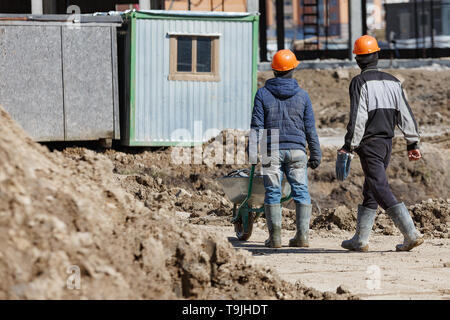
(204, 54)
(184, 54)
(194, 58)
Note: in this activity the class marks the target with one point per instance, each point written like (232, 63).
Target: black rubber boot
(273, 218)
(303, 216)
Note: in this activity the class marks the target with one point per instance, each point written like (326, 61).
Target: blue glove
(343, 165)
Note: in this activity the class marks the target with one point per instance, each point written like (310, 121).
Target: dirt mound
(59, 215)
(194, 193)
(431, 217)
(411, 182)
(427, 91)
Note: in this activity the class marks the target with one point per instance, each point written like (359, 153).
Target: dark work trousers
(374, 154)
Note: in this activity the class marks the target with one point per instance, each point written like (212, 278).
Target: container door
(30, 79)
(88, 83)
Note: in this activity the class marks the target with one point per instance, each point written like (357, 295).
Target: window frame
(176, 75)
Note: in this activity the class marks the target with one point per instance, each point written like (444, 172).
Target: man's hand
(414, 155)
(313, 164)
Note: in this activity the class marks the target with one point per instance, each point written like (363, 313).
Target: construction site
(95, 202)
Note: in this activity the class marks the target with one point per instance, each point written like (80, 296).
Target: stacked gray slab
(58, 75)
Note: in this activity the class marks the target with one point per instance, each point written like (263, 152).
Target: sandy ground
(382, 273)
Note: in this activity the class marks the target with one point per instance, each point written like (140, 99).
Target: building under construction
(312, 28)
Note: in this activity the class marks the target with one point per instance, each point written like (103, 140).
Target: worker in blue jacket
(284, 110)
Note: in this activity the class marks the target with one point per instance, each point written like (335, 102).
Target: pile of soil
(152, 176)
(410, 181)
(59, 214)
(431, 217)
(422, 184)
(427, 91)
(193, 193)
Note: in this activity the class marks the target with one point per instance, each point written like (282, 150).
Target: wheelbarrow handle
(249, 194)
(289, 197)
(250, 185)
(237, 213)
(250, 188)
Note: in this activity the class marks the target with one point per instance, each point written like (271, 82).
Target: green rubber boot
(303, 216)
(364, 224)
(402, 220)
(273, 218)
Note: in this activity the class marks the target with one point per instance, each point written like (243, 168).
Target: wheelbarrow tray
(236, 189)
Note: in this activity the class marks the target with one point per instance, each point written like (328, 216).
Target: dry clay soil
(69, 231)
(382, 273)
(140, 226)
(193, 193)
(427, 90)
(423, 273)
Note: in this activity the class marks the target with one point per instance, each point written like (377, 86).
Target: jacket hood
(282, 88)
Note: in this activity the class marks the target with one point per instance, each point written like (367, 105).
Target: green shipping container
(186, 75)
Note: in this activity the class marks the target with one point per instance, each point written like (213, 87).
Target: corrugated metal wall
(163, 106)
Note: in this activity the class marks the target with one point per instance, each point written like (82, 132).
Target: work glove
(343, 161)
(414, 155)
(313, 164)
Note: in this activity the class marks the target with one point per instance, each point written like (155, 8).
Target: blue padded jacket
(281, 104)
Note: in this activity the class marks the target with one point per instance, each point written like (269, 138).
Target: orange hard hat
(365, 45)
(284, 60)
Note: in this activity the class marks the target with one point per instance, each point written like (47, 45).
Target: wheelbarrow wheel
(239, 228)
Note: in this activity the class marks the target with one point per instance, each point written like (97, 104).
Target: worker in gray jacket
(377, 105)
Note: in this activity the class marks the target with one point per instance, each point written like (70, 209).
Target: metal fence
(418, 29)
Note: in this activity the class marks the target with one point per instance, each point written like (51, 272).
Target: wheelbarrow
(246, 191)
